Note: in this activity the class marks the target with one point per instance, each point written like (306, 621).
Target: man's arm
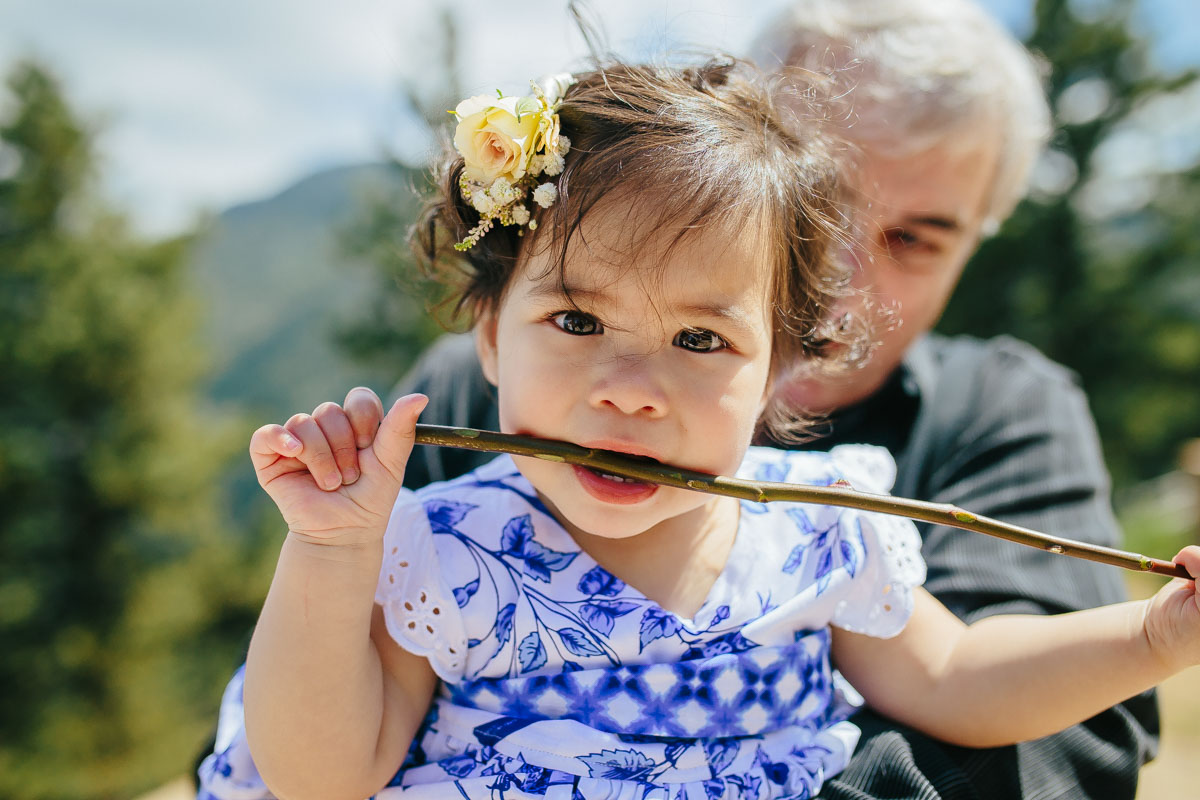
(1019, 445)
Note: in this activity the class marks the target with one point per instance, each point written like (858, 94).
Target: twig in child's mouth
(765, 491)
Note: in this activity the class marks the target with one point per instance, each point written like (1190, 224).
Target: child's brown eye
(577, 323)
(699, 341)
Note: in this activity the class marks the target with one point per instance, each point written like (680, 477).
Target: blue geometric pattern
(732, 694)
(567, 682)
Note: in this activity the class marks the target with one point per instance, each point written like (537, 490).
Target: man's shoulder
(1000, 361)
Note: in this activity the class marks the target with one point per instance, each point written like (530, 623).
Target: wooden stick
(766, 491)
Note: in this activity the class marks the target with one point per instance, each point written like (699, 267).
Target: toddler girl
(643, 252)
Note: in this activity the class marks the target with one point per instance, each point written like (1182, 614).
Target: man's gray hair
(919, 74)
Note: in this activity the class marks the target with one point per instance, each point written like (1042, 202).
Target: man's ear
(485, 346)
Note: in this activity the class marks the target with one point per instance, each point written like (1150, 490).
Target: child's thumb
(394, 440)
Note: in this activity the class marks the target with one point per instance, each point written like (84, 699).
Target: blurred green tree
(1099, 267)
(399, 325)
(118, 600)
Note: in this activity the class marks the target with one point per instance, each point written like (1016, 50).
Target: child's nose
(631, 387)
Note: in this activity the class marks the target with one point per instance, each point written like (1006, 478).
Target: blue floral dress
(558, 680)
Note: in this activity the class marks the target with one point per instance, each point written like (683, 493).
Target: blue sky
(205, 104)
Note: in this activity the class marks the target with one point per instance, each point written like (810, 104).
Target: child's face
(667, 357)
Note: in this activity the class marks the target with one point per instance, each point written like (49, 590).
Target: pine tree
(403, 320)
(112, 550)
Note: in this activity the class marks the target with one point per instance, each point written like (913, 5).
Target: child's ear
(485, 346)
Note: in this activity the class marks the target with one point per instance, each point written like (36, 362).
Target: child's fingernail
(291, 443)
(351, 476)
(333, 482)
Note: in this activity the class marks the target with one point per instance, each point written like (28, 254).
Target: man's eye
(899, 238)
(699, 341)
(577, 323)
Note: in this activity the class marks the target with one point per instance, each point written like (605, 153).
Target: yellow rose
(495, 136)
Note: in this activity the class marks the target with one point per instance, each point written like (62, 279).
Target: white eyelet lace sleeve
(880, 599)
(418, 607)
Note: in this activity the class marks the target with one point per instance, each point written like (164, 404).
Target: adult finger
(336, 426)
(316, 454)
(269, 443)
(365, 412)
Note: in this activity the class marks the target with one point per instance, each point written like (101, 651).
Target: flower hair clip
(506, 143)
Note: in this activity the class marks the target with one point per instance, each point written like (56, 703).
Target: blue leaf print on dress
(714, 789)
(748, 784)
(776, 472)
(598, 580)
(802, 520)
(445, 514)
(504, 621)
(824, 567)
(531, 652)
(517, 540)
(458, 766)
(849, 557)
(600, 614)
(732, 642)
(719, 617)
(517, 531)
(534, 780)
(540, 561)
(462, 594)
(720, 754)
(578, 642)
(776, 771)
(618, 765)
(657, 624)
(794, 559)
(675, 750)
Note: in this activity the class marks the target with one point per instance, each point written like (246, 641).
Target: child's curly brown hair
(707, 146)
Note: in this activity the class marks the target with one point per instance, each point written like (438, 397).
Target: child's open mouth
(610, 488)
(612, 477)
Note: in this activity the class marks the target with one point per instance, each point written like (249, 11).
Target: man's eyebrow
(946, 223)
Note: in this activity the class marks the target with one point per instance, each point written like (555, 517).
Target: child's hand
(335, 474)
(1173, 615)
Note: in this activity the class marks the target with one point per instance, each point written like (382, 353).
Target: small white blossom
(545, 195)
(551, 164)
(562, 145)
(483, 203)
(503, 192)
(520, 214)
(553, 87)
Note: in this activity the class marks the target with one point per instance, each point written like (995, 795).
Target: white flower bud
(545, 195)
(551, 164)
(483, 203)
